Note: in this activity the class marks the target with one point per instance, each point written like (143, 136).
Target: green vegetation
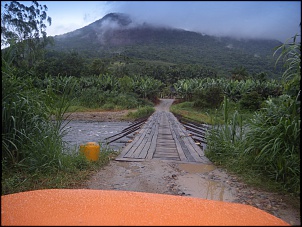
(141, 112)
(256, 119)
(254, 135)
(34, 155)
(76, 170)
(171, 46)
(209, 116)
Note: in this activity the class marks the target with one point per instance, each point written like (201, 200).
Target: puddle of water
(215, 190)
(206, 189)
(196, 168)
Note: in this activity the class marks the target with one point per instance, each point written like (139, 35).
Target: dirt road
(195, 180)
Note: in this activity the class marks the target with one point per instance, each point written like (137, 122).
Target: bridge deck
(163, 137)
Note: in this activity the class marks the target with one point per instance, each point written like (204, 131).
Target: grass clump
(34, 155)
(264, 150)
(207, 115)
(141, 112)
(76, 170)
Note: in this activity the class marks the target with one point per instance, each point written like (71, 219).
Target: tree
(239, 73)
(23, 30)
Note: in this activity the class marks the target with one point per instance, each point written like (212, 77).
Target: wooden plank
(194, 150)
(153, 144)
(178, 133)
(172, 150)
(168, 143)
(187, 143)
(200, 128)
(167, 158)
(166, 154)
(140, 148)
(138, 144)
(198, 151)
(138, 139)
(191, 149)
(178, 146)
(170, 137)
(166, 148)
(145, 150)
(163, 137)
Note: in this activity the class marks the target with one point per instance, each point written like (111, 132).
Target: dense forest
(168, 46)
(46, 76)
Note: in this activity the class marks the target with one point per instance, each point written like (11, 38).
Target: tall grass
(274, 141)
(269, 143)
(32, 146)
(266, 146)
(225, 139)
(29, 138)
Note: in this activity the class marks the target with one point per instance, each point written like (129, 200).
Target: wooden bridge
(163, 137)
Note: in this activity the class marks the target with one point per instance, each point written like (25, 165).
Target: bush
(141, 112)
(209, 98)
(108, 106)
(251, 101)
(91, 97)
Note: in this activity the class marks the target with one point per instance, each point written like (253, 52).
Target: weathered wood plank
(195, 151)
(163, 137)
(167, 158)
(165, 154)
(137, 140)
(147, 147)
(186, 139)
(153, 143)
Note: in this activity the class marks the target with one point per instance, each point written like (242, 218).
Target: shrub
(108, 106)
(141, 112)
(209, 98)
(251, 101)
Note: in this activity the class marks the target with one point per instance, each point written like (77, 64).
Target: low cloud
(269, 20)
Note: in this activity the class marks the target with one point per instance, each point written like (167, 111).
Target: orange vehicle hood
(108, 207)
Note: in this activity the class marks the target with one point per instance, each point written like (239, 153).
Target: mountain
(117, 33)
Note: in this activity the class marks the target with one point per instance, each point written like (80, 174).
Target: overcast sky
(248, 19)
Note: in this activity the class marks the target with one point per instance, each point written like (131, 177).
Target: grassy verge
(227, 147)
(78, 170)
(206, 115)
(141, 112)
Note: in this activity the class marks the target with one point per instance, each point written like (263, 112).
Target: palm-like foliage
(291, 55)
(233, 89)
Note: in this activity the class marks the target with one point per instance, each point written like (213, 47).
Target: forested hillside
(116, 35)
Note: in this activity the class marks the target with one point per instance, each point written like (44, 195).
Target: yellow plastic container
(91, 150)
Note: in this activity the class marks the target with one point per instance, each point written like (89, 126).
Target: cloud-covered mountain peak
(121, 19)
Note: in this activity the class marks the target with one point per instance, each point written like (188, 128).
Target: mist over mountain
(118, 33)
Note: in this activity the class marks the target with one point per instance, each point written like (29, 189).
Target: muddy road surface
(188, 179)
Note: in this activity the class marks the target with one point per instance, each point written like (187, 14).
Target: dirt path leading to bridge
(188, 179)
